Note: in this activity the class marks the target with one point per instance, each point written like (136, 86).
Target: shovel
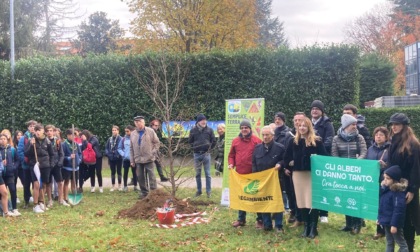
(75, 197)
(36, 168)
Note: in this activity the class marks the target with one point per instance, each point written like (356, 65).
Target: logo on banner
(325, 201)
(234, 107)
(337, 201)
(351, 203)
(252, 187)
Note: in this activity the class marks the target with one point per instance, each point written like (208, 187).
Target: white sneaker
(112, 189)
(16, 212)
(101, 190)
(50, 204)
(64, 203)
(125, 189)
(9, 214)
(324, 219)
(120, 188)
(37, 209)
(43, 207)
(31, 199)
(17, 200)
(92, 189)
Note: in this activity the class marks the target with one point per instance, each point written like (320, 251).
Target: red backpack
(89, 155)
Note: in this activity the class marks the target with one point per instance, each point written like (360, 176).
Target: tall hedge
(96, 92)
(376, 77)
(380, 117)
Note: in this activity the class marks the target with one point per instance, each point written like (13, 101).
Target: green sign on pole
(346, 186)
(236, 111)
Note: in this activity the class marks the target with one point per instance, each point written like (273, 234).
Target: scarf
(348, 137)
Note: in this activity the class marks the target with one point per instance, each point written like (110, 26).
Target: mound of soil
(146, 208)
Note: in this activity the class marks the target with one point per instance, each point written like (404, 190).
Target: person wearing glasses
(323, 127)
(155, 125)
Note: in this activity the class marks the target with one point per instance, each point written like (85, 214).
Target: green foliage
(98, 91)
(99, 34)
(376, 78)
(380, 117)
(27, 19)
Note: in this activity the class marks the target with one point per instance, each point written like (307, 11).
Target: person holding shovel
(71, 152)
(40, 153)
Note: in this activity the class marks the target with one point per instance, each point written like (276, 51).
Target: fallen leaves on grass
(114, 241)
(100, 213)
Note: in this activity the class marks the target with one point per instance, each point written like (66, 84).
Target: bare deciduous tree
(163, 79)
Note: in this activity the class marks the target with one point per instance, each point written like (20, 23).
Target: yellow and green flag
(256, 192)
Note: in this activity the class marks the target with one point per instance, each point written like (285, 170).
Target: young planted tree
(162, 78)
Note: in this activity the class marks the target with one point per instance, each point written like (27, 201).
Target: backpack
(89, 155)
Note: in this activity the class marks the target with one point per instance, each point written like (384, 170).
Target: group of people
(289, 151)
(42, 148)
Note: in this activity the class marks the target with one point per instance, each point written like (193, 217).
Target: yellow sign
(256, 192)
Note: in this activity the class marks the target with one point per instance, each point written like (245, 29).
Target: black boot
(313, 226)
(348, 226)
(305, 217)
(357, 225)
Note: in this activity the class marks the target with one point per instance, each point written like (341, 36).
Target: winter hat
(245, 122)
(399, 118)
(137, 116)
(394, 172)
(318, 104)
(200, 117)
(346, 120)
(281, 115)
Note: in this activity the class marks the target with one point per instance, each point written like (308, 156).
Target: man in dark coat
(267, 155)
(324, 128)
(202, 141)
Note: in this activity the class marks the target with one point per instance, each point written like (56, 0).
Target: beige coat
(147, 151)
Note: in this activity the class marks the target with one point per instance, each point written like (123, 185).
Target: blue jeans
(202, 159)
(278, 220)
(398, 238)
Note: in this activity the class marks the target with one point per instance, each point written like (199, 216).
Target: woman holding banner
(299, 152)
(379, 151)
(404, 151)
(348, 143)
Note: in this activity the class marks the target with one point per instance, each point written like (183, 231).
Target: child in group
(39, 150)
(56, 164)
(124, 150)
(9, 161)
(71, 152)
(3, 194)
(114, 157)
(392, 208)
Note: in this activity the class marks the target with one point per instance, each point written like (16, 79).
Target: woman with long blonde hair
(305, 144)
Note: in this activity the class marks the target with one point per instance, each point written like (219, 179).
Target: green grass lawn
(80, 229)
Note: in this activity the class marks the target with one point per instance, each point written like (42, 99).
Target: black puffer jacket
(44, 152)
(58, 153)
(325, 130)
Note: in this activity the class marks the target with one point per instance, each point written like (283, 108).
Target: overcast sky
(305, 21)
